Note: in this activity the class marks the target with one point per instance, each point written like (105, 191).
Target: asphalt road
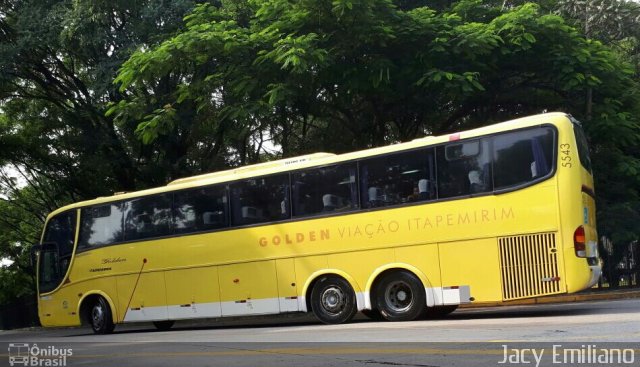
(469, 337)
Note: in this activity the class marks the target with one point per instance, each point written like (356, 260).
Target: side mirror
(33, 255)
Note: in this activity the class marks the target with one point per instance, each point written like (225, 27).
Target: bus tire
(100, 317)
(400, 296)
(163, 325)
(333, 300)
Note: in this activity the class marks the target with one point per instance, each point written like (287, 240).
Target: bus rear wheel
(100, 317)
(400, 296)
(333, 300)
(163, 325)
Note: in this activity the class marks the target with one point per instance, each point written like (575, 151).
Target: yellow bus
(494, 214)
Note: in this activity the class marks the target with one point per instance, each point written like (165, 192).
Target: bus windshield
(56, 251)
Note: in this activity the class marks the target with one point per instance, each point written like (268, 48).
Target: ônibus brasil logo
(24, 354)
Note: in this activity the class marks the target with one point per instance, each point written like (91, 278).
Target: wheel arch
(377, 274)
(87, 299)
(305, 304)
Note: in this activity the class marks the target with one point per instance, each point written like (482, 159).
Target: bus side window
(464, 168)
(522, 156)
(397, 178)
(260, 200)
(101, 225)
(147, 217)
(324, 189)
(200, 209)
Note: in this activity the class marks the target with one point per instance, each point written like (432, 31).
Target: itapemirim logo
(24, 354)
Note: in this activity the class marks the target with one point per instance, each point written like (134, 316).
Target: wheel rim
(398, 296)
(333, 300)
(97, 316)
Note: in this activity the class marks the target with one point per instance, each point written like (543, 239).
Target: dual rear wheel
(398, 296)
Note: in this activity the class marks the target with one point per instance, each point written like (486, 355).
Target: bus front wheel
(333, 300)
(400, 296)
(100, 318)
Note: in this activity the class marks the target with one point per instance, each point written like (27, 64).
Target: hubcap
(402, 296)
(398, 296)
(333, 299)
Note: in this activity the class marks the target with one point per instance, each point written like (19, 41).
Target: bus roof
(318, 159)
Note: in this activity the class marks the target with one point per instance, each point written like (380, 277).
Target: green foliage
(58, 59)
(20, 228)
(14, 284)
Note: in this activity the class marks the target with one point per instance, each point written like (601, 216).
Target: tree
(58, 59)
(367, 71)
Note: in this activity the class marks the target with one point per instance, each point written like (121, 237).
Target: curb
(561, 298)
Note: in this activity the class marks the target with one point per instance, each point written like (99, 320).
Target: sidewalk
(587, 295)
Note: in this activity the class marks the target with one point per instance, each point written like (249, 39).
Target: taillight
(580, 242)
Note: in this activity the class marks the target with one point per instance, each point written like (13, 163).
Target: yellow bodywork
(271, 268)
